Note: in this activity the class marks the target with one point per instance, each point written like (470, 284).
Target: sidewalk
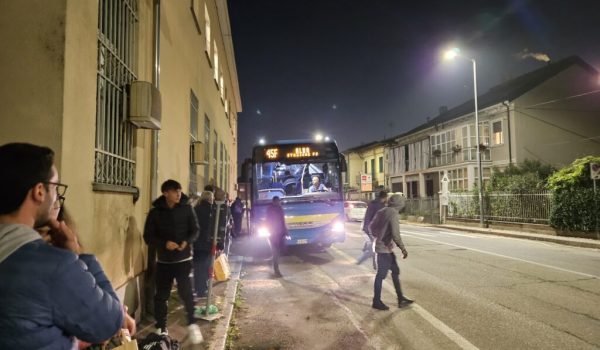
(572, 241)
(214, 332)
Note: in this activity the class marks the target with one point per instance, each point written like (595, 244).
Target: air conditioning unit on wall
(197, 153)
(144, 105)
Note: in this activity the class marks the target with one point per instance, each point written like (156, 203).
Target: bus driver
(317, 186)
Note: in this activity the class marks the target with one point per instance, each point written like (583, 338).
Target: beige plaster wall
(31, 70)
(554, 126)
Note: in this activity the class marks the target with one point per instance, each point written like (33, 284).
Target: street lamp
(318, 137)
(449, 55)
(262, 141)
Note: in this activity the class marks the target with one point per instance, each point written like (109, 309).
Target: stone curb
(562, 240)
(219, 340)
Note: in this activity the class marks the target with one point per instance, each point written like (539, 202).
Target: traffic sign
(595, 171)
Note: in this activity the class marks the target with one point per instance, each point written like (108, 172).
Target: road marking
(350, 316)
(409, 233)
(434, 321)
(511, 257)
(442, 232)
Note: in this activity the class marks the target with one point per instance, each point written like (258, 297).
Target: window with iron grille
(206, 148)
(193, 185)
(117, 40)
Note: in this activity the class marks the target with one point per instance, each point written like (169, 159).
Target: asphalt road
(472, 292)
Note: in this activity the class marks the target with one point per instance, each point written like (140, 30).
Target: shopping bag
(222, 271)
(126, 342)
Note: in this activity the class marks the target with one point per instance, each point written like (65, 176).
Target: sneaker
(405, 302)
(379, 305)
(194, 334)
(161, 331)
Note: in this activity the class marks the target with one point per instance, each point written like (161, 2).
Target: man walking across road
(171, 227)
(278, 230)
(385, 227)
(372, 209)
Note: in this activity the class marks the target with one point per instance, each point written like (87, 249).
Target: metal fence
(530, 207)
(428, 208)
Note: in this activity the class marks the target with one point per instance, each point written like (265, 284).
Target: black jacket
(203, 213)
(372, 209)
(177, 224)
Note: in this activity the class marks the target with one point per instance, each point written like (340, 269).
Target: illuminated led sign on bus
(295, 153)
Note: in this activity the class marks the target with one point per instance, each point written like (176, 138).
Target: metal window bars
(117, 26)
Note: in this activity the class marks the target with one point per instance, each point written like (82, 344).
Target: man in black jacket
(171, 227)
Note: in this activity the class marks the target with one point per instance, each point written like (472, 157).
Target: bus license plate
(302, 241)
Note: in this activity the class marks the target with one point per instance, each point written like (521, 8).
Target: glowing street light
(327, 138)
(449, 55)
(318, 137)
(262, 141)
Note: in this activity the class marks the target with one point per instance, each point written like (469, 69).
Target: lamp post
(451, 54)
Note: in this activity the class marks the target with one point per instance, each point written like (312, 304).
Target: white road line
(511, 257)
(409, 233)
(441, 232)
(435, 322)
(351, 317)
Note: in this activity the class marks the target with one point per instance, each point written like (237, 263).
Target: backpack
(378, 225)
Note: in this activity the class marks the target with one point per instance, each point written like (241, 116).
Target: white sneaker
(194, 334)
(161, 331)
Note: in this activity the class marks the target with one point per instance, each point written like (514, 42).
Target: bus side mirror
(343, 165)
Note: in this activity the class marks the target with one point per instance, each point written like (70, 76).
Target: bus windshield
(298, 181)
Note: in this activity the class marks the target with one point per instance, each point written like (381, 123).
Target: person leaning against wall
(53, 295)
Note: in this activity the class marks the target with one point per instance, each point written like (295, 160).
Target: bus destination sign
(293, 153)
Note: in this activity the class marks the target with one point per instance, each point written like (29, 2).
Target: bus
(287, 169)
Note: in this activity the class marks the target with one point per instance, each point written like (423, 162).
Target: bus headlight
(263, 232)
(337, 226)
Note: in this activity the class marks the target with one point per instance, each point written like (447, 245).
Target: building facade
(550, 115)
(365, 160)
(74, 68)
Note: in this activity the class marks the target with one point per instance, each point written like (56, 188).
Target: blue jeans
(201, 266)
(385, 262)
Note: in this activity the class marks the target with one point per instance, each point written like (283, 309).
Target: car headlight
(263, 232)
(337, 226)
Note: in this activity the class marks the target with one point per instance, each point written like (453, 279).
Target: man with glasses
(52, 295)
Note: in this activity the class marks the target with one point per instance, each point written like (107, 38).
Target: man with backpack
(385, 227)
(372, 209)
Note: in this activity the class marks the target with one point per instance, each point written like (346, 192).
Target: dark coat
(275, 221)
(203, 212)
(50, 295)
(372, 209)
(177, 224)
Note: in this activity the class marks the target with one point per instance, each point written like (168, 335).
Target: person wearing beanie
(385, 227)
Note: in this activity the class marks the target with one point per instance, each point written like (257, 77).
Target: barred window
(117, 28)
(193, 185)
(206, 148)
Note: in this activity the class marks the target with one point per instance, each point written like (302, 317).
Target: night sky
(361, 71)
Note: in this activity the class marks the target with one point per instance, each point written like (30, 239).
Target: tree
(531, 175)
(575, 206)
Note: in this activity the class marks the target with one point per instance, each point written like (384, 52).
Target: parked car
(355, 210)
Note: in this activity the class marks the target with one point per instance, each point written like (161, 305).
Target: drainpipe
(156, 81)
(150, 275)
(507, 105)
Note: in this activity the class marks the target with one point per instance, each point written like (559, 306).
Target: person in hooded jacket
(51, 294)
(171, 227)
(385, 226)
(276, 224)
(202, 246)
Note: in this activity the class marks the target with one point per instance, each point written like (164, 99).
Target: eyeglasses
(60, 201)
(61, 189)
